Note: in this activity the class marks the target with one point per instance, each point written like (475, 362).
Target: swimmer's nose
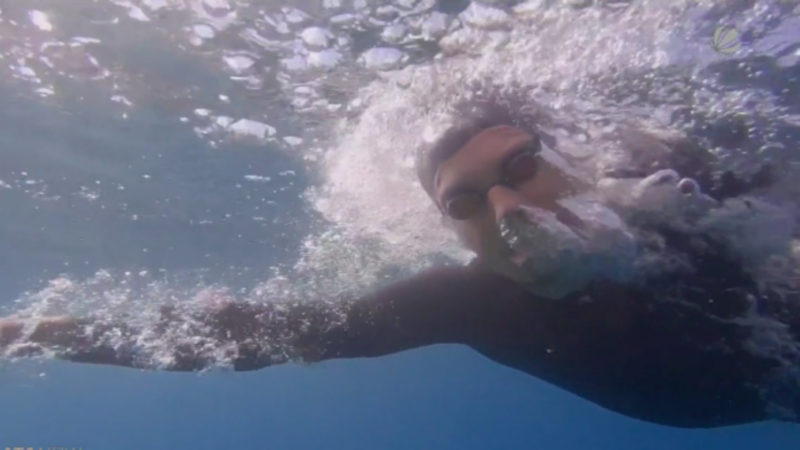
(504, 201)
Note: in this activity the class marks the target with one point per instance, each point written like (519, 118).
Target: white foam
(253, 128)
(484, 16)
(293, 141)
(332, 4)
(325, 59)
(394, 33)
(217, 6)
(530, 8)
(223, 121)
(296, 16)
(155, 5)
(383, 58)
(435, 25)
(121, 99)
(316, 37)
(238, 62)
(257, 178)
(40, 20)
(204, 31)
(295, 63)
(343, 20)
(406, 4)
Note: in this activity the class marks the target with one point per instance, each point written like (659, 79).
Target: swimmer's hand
(10, 331)
(442, 305)
(47, 332)
(100, 341)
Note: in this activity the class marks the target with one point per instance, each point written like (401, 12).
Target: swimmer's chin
(568, 277)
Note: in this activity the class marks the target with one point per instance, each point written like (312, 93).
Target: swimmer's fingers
(48, 332)
(57, 330)
(54, 330)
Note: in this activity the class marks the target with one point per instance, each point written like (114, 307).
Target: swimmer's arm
(443, 305)
(76, 339)
(446, 305)
(180, 341)
(437, 306)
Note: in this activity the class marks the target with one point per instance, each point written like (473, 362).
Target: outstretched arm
(438, 306)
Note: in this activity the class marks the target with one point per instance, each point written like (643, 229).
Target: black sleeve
(443, 305)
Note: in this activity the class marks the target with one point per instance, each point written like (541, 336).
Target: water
(160, 150)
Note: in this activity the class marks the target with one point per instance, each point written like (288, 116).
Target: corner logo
(726, 40)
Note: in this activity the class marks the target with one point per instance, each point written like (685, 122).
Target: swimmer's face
(489, 183)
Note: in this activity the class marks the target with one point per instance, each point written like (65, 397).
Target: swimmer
(573, 284)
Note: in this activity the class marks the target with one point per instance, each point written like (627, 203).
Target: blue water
(444, 397)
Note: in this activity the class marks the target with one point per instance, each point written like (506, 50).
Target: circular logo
(726, 40)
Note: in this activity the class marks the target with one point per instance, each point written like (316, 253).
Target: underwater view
(399, 224)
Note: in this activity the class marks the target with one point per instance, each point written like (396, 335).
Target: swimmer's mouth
(514, 250)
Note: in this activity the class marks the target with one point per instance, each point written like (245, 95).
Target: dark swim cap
(470, 119)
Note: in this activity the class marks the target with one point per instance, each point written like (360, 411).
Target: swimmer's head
(489, 175)
(530, 215)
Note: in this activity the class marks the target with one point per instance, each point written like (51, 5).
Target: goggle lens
(463, 206)
(521, 168)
